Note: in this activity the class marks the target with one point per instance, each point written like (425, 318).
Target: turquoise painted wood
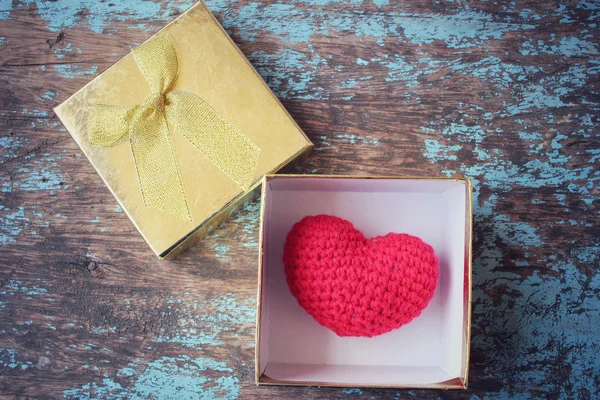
(506, 93)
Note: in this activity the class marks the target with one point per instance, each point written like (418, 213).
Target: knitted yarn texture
(357, 286)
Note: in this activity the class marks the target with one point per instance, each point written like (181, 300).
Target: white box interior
(293, 347)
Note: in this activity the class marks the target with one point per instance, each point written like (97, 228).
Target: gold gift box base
(432, 351)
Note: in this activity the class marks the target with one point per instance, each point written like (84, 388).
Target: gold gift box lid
(182, 130)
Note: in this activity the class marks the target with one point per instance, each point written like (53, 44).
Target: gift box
(182, 130)
(431, 351)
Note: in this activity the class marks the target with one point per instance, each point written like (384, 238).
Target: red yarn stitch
(357, 286)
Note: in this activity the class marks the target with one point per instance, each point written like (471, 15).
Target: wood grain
(504, 93)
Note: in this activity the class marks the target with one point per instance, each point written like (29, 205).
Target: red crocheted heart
(357, 286)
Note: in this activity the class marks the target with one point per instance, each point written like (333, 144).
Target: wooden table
(505, 94)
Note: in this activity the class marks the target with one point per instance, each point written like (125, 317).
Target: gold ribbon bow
(146, 126)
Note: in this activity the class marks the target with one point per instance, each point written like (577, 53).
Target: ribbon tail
(225, 145)
(157, 170)
(107, 124)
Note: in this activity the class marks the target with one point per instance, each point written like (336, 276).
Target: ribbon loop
(107, 125)
(146, 125)
(158, 62)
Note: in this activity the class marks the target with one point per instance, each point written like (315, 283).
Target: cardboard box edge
(469, 183)
(257, 372)
(451, 384)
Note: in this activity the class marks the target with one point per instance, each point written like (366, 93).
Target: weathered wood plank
(504, 93)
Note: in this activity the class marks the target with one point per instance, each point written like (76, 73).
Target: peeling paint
(568, 46)
(352, 391)
(40, 174)
(545, 302)
(71, 71)
(435, 152)
(62, 14)
(61, 52)
(15, 286)
(249, 218)
(10, 146)
(502, 74)
(12, 222)
(36, 172)
(5, 9)
(165, 378)
(291, 73)
(206, 321)
(102, 330)
(49, 95)
(295, 73)
(350, 83)
(221, 250)
(10, 359)
(354, 139)
(468, 28)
